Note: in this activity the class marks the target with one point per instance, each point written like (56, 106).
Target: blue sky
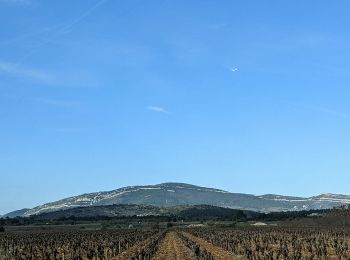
(246, 96)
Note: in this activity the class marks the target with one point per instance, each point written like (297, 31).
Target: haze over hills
(175, 194)
(15, 213)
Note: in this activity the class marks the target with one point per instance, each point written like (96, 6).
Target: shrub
(169, 225)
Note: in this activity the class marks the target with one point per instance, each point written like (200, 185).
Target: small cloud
(70, 130)
(5, 159)
(324, 110)
(16, 2)
(16, 70)
(328, 111)
(216, 26)
(59, 103)
(234, 69)
(157, 109)
(61, 78)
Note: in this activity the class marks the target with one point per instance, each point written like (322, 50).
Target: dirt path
(172, 248)
(217, 252)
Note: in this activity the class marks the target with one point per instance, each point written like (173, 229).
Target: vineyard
(186, 244)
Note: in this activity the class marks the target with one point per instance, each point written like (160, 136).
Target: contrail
(63, 29)
(28, 35)
(84, 15)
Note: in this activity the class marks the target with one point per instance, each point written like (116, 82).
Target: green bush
(169, 225)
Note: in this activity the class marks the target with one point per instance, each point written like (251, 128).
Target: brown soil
(172, 248)
(217, 252)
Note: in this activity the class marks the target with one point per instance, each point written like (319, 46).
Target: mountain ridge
(174, 194)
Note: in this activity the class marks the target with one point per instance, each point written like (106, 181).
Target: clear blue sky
(246, 96)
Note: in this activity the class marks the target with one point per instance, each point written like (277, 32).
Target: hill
(175, 194)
